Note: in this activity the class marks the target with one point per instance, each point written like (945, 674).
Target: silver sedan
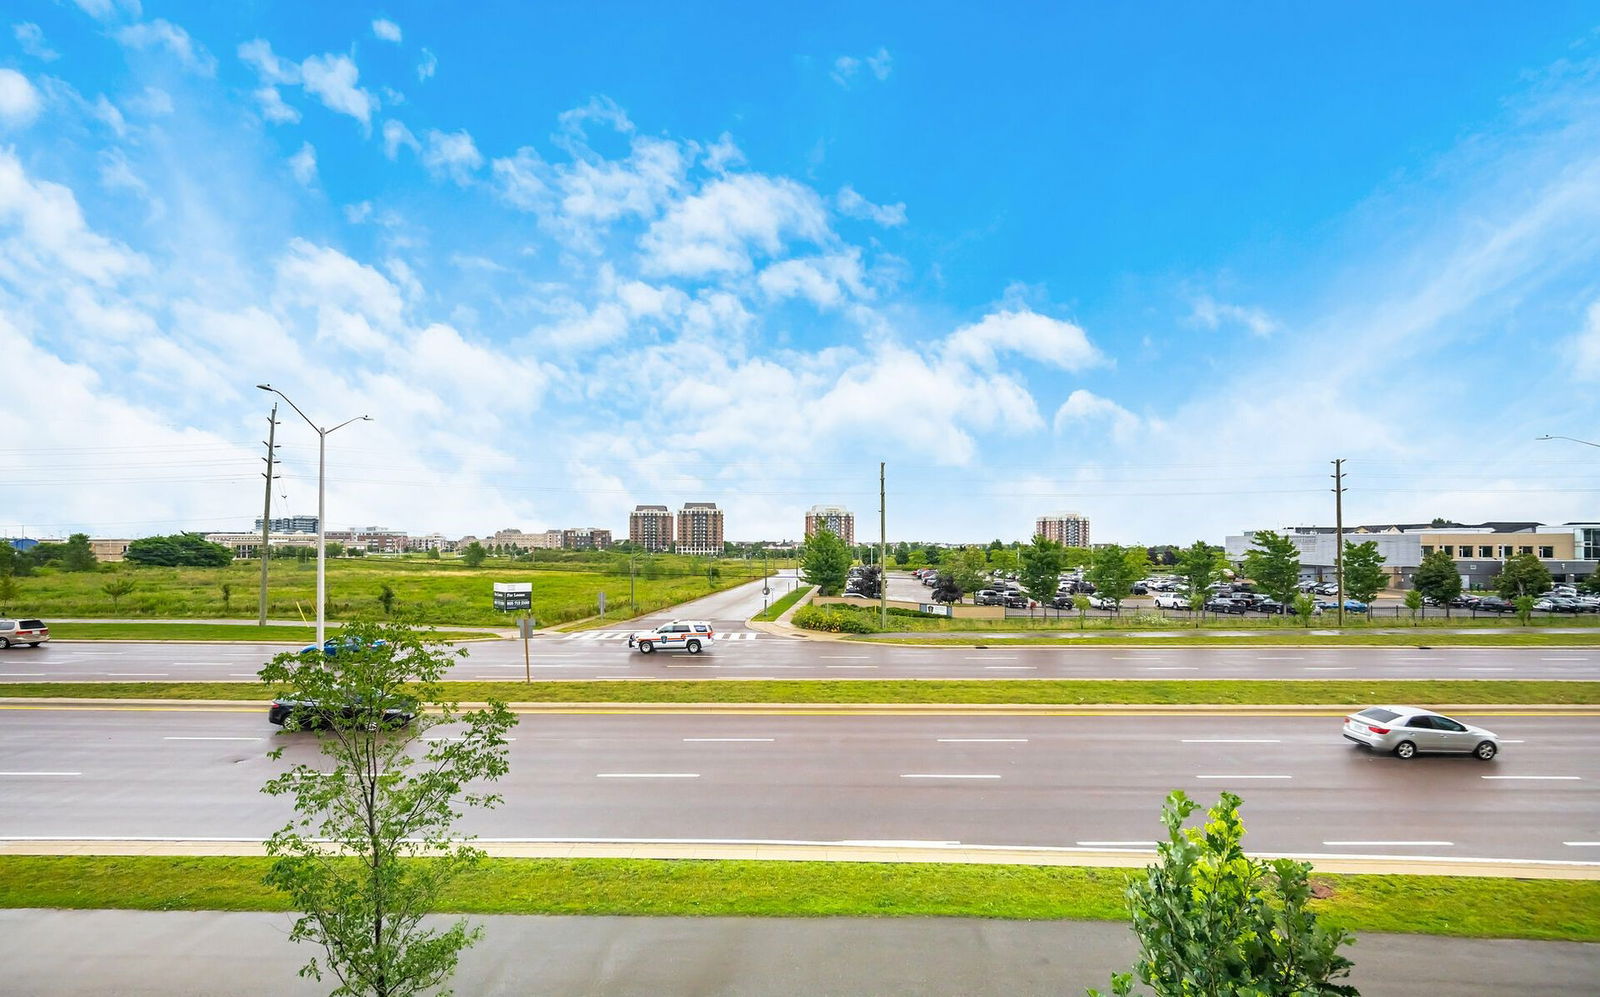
(1406, 730)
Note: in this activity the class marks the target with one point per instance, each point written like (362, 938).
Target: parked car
(1493, 604)
(1350, 605)
(679, 635)
(1016, 600)
(1407, 730)
(1227, 604)
(987, 597)
(1063, 602)
(334, 646)
(30, 633)
(1102, 602)
(1271, 606)
(1327, 588)
(311, 714)
(1556, 604)
(1140, 588)
(1171, 600)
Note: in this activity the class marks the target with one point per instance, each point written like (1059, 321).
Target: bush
(833, 619)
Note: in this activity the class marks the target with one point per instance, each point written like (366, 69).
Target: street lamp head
(264, 387)
(1544, 437)
(366, 418)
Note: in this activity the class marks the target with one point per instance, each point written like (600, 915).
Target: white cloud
(258, 53)
(386, 30)
(880, 63)
(154, 102)
(723, 154)
(354, 305)
(303, 165)
(105, 10)
(1025, 333)
(853, 204)
(451, 154)
(161, 34)
(333, 79)
(274, 109)
(718, 229)
(1586, 346)
(357, 213)
(1213, 314)
(427, 66)
(50, 233)
(1087, 407)
(519, 179)
(396, 135)
(846, 67)
(31, 38)
(825, 281)
(19, 101)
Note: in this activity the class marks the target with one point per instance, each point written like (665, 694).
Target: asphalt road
(1057, 781)
(134, 953)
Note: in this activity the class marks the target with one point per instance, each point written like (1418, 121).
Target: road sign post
(602, 605)
(525, 628)
(511, 597)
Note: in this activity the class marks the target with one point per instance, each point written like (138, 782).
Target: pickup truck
(1171, 600)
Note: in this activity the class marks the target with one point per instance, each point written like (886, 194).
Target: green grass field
(1435, 905)
(210, 632)
(1036, 692)
(425, 591)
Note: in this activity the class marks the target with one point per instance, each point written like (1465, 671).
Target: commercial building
(246, 545)
(1570, 552)
(838, 520)
(431, 541)
(650, 526)
(700, 529)
(585, 538)
(372, 539)
(109, 550)
(1070, 529)
(291, 524)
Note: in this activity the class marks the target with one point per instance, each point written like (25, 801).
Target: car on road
(334, 646)
(353, 708)
(30, 633)
(693, 636)
(1407, 730)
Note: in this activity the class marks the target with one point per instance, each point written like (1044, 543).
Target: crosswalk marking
(623, 635)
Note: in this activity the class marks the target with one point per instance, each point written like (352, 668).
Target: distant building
(372, 539)
(431, 541)
(1070, 529)
(110, 550)
(650, 526)
(246, 545)
(544, 539)
(700, 529)
(838, 520)
(585, 538)
(291, 524)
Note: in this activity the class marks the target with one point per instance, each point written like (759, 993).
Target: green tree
(78, 556)
(1413, 603)
(180, 550)
(1437, 579)
(825, 562)
(227, 596)
(1364, 576)
(8, 590)
(1213, 921)
(947, 588)
(1304, 607)
(1524, 605)
(1273, 563)
(372, 843)
(930, 554)
(386, 599)
(713, 575)
(969, 566)
(433, 553)
(1077, 557)
(1522, 574)
(1114, 570)
(1041, 569)
(870, 582)
(473, 554)
(902, 554)
(12, 563)
(1199, 564)
(116, 588)
(1003, 560)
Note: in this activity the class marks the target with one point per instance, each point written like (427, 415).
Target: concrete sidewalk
(69, 953)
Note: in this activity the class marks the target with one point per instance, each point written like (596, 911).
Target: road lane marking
(1582, 844)
(1396, 844)
(1509, 741)
(1291, 658)
(647, 775)
(41, 773)
(844, 657)
(1330, 668)
(720, 739)
(1563, 659)
(983, 740)
(850, 666)
(1011, 668)
(1142, 657)
(138, 674)
(11, 675)
(990, 657)
(1171, 668)
(177, 738)
(1231, 740)
(1116, 844)
(1546, 778)
(1244, 777)
(943, 775)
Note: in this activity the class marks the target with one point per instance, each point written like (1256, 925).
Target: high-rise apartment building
(700, 529)
(839, 521)
(650, 526)
(1068, 528)
(291, 524)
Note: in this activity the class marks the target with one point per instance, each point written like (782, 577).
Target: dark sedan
(1238, 607)
(349, 711)
(334, 645)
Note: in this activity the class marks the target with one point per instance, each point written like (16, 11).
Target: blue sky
(1157, 265)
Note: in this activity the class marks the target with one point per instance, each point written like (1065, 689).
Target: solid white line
(41, 773)
(1231, 740)
(647, 775)
(942, 775)
(1244, 777)
(709, 739)
(983, 740)
(1419, 844)
(1547, 778)
(177, 738)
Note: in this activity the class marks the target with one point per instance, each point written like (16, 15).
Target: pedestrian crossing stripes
(623, 635)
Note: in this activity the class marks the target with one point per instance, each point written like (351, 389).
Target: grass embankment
(211, 632)
(425, 591)
(780, 607)
(1028, 692)
(1288, 638)
(1435, 905)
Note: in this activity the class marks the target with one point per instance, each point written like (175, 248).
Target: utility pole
(883, 570)
(266, 514)
(1338, 532)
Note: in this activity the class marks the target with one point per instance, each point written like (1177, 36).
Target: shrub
(833, 619)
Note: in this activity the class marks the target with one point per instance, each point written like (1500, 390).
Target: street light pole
(322, 520)
(1574, 439)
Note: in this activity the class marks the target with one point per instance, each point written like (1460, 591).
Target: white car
(1171, 600)
(1407, 731)
(693, 636)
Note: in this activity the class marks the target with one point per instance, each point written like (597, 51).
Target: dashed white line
(944, 775)
(741, 739)
(137, 674)
(1244, 777)
(1582, 844)
(983, 740)
(10, 675)
(1231, 740)
(1563, 659)
(40, 773)
(196, 738)
(1011, 668)
(1396, 844)
(844, 657)
(1116, 844)
(990, 657)
(1543, 778)
(647, 775)
(1171, 668)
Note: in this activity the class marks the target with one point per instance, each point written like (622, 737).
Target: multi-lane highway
(1059, 781)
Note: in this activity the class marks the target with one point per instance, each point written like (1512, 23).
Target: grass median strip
(1245, 638)
(1434, 905)
(778, 608)
(211, 632)
(1042, 692)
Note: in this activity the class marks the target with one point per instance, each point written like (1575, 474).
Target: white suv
(679, 635)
